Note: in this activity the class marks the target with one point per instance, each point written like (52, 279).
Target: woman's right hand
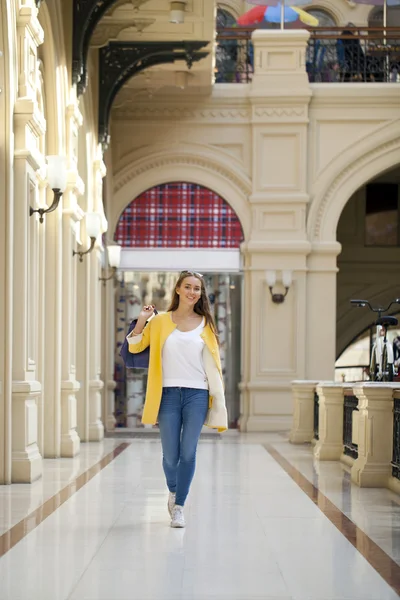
(146, 312)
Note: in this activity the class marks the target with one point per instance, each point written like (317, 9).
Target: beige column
(82, 344)
(372, 468)
(96, 426)
(29, 126)
(275, 352)
(8, 76)
(321, 311)
(70, 442)
(108, 345)
(331, 402)
(303, 411)
(72, 214)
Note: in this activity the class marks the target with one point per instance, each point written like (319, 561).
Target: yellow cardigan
(155, 334)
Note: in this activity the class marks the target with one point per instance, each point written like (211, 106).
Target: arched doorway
(168, 228)
(369, 233)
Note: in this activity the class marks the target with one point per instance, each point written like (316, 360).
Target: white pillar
(8, 45)
(29, 126)
(373, 468)
(96, 427)
(331, 403)
(108, 329)
(70, 442)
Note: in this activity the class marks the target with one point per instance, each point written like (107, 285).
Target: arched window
(225, 18)
(179, 215)
(324, 17)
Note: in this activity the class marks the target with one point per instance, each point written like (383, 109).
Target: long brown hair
(202, 306)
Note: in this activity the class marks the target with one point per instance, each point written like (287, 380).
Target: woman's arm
(217, 416)
(139, 338)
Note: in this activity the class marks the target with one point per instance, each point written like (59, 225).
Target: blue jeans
(181, 418)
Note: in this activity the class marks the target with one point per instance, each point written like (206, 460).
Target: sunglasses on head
(192, 273)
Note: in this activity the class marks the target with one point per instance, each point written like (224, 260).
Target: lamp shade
(114, 255)
(177, 12)
(57, 172)
(270, 278)
(287, 278)
(93, 224)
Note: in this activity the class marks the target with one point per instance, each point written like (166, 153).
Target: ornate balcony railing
(349, 406)
(333, 55)
(316, 416)
(396, 439)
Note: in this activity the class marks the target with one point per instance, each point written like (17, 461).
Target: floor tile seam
(367, 547)
(39, 514)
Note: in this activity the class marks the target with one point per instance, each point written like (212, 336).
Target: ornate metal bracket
(119, 61)
(86, 15)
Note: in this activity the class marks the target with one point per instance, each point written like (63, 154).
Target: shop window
(179, 215)
(382, 215)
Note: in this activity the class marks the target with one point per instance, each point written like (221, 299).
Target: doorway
(137, 288)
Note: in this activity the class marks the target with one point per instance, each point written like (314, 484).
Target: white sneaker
(171, 502)
(178, 518)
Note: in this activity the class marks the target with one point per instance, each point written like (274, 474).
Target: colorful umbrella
(281, 4)
(275, 14)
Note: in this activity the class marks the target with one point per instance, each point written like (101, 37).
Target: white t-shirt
(182, 359)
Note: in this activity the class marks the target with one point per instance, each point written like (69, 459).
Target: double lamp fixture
(57, 180)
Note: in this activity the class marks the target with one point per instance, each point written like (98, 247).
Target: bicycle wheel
(373, 367)
(387, 367)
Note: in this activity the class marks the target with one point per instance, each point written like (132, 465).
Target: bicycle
(382, 366)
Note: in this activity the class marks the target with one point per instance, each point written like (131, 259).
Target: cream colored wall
(287, 155)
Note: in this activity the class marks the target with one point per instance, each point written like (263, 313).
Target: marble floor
(263, 523)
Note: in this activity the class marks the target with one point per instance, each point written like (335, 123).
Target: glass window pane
(381, 215)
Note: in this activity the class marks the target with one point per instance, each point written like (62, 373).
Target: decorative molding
(119, 61)
(275, 111)
(186, 112)
(343, 175)
(183, 158)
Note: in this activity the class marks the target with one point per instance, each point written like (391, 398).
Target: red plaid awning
(179, 215)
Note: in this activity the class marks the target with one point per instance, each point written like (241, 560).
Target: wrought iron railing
(349, 406)
(316, 416)
(396, 439)
(234, 60)
(333, 55)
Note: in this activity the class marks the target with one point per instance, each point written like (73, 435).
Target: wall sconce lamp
(271, 281)
(93, 226)
(114, 260)
(177, 11)
(57, 181)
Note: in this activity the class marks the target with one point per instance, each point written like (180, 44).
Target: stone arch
(204, 166)
(352, 169)
(336, 12)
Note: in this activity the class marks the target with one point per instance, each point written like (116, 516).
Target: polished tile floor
(252, 532)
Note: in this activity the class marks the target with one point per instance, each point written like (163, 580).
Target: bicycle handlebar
(377, 309)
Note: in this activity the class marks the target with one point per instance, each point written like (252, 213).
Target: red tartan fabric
(179, 215)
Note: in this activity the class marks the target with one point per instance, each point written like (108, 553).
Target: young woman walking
(185, 385)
